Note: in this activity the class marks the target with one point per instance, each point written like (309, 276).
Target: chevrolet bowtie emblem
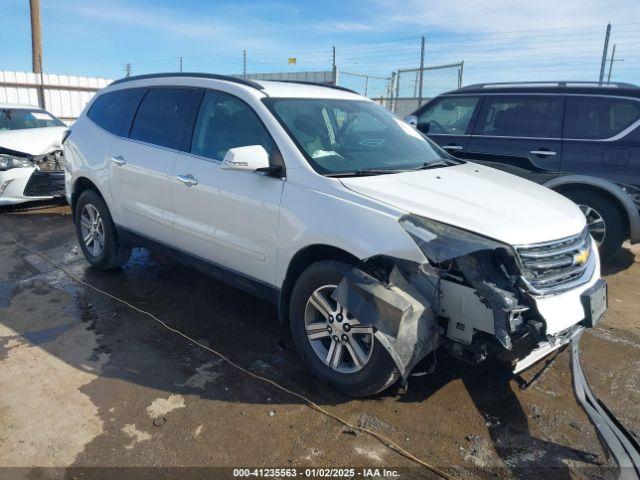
(581, 257)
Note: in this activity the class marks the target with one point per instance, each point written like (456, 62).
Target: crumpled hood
(479, 199)
(32, 141)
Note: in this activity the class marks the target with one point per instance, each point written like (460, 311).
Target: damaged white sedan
(378, 247)
(31, 163)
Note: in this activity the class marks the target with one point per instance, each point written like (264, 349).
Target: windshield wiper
(430, 165)
(363, 172)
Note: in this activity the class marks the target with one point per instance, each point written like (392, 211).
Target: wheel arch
(80, 185)
(608, 190)
(299, 262)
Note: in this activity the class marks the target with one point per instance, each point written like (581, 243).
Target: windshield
(22, 118)
(342, 137)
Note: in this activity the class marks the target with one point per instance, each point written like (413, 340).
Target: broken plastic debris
(402, 316)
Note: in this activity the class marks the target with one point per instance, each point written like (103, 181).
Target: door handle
(452, 147)
(119, 160)
(543, 152)
(188, 180)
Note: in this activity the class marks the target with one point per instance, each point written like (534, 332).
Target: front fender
(609, 187)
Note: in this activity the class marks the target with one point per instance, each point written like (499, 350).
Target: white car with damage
(378, 248)
(31, 163)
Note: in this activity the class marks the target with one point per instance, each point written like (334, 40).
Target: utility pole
(127, 70)
(421, 72)
(244, 63)
(334, 67)
(613, 59)
(180, 64)
(36, 47)
(604, 53)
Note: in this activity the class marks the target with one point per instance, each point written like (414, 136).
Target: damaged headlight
(441, 242)
(13, 161)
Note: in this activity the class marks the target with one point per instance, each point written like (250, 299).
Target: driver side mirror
(250, 158)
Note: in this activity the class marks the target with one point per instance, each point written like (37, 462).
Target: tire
(614, 220)
(114, 253)
(378, 373)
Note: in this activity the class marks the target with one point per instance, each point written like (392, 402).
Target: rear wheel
(97, 234)
(333, 344)
(605, 221)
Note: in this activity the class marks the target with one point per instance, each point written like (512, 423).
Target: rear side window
(448, 115)
(599, 117)
(163, 117)
(225, 122)
(521, 116)
(114, 111)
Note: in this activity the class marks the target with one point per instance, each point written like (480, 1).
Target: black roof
(212, 76)
(228, 78)
(580, 87)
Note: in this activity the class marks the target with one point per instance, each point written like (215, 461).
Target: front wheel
(605, 221)
(333, 344)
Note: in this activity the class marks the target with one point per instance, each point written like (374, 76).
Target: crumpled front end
(475, 296)
(25, 178)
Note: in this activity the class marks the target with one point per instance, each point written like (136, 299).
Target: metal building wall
(65, 95)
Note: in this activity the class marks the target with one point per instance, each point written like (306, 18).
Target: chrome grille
(555, 266)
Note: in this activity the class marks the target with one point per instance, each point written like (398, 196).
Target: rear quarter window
(597, 118)
(114, 111)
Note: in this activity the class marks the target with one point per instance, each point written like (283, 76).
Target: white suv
(378, 247)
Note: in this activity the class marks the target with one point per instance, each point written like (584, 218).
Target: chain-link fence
(405, 92)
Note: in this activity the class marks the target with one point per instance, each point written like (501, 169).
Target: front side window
(351, 136)
(23, 118)
(114, 111)
(225, 122)
(521, 116)
(599, 117)
(163, 117)
(448, 115)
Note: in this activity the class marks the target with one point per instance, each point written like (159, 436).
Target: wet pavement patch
(6, 294)
(39, 337)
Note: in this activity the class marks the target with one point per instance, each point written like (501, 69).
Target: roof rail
(302, 82)
(211, 76)
(562, 83)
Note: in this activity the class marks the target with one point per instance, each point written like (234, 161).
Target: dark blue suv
(577, 138)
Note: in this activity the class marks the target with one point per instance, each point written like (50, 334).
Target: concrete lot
(87, 382)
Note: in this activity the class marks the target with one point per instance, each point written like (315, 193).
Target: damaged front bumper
(472, 297)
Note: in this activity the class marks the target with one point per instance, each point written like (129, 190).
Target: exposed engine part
(49, 162)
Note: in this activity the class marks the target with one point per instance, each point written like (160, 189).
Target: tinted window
(114, 111)
(448, 115)
(226, 122)
(163, 117)
(521, 116)
(598, 117)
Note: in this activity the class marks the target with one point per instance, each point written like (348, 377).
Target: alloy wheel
(337, 338)
(595, 223)
(92, 229)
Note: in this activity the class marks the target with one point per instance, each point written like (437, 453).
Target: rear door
(522, 132)
(141, 165)
(448, 121)
(600, 138)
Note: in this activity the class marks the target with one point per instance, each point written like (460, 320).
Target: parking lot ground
(86, 381)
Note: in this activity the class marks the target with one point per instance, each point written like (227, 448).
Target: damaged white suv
(377, 246)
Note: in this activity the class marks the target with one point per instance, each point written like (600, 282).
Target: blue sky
(498, 40)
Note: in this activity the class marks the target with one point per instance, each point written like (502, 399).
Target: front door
(227, 217)
(520, 132)
(448, 121)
